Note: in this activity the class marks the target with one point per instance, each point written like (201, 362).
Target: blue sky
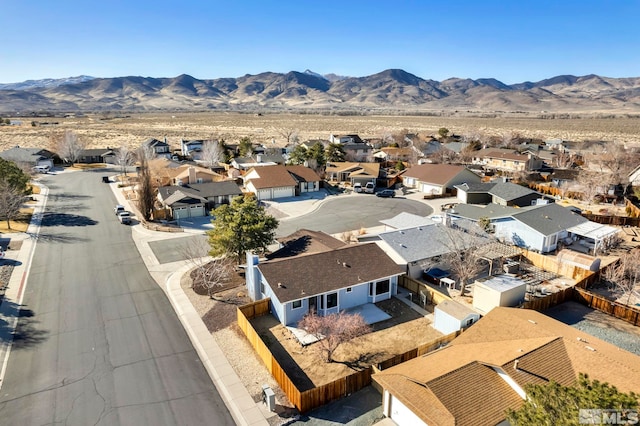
(513, 41)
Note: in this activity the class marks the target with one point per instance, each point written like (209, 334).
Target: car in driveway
(386, 193)
(118, 209)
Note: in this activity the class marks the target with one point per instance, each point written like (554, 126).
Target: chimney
(192, 175)
(515, 364)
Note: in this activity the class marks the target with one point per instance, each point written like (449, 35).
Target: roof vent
(532, 322)
(345, 264)
(590, 348)
(280, 285)
(515, 364)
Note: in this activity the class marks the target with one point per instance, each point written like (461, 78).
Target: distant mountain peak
(315, 74)
(46, 82)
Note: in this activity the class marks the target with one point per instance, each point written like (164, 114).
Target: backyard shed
(500, 290)
(451, 316)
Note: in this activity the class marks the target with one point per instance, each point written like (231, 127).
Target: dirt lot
(105, 130)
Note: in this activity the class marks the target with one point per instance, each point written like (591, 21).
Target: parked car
(357, 187)
(386, 193)
(41, 169)
(370, 188)
(119, 208)
(436, 218)
(448, 206)
(105, 179)
(124, 217)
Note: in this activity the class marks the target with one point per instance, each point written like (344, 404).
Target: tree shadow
(66, 219)
(27, 333)
(45, 237)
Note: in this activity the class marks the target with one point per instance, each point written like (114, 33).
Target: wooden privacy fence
(433, 296)
(551, 264)
(540, 304)
(312, 398)
(613, 308)
(420, 350)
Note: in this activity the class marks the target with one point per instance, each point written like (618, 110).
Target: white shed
(451, 316)
(499, 290)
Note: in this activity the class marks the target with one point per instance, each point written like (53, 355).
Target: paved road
(98, 342)
(347, 213)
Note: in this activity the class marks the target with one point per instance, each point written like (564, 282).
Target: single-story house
(540, 228)
(98, 155)
(271, 182)
(188, 175)
(405, 220)
(327, 282)
(31, 157)
(450, 316)
(438, 179)
(257, 160)
(502, 193)
(352, 173)
(422, 247)
(483, 372)
(197, 199)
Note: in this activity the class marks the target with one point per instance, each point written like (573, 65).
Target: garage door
(431, 189)
(402, 416)
(283, 192)
(196, 211)
(180, 213)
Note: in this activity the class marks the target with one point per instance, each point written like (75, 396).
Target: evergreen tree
(14, 176)
(335, 152)
(317, 153)
(554, 404)
(299, 155)
(241, 226)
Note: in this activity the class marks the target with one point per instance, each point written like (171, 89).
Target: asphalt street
(98, 343)
(348, 213)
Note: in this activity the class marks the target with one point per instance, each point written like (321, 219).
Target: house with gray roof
(541, 228)
(406, 220)
(326, 282)
(437, 179)
(197, 199)
(30, 157)
(503, 193)
(97, 155)
(422, 247)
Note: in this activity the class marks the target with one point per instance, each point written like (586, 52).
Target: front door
(313, 304)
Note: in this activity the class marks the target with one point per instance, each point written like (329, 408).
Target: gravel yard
(598, 324)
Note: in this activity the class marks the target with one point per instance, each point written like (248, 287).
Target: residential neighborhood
(467, 281)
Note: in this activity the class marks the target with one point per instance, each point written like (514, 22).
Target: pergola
(600, 234)
(496, 251)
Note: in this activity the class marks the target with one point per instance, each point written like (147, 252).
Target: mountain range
(389, 90)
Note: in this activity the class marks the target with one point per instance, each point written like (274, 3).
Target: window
(349, 289)
(262, 288)
(332, 300)
(382, 287)
(296, 304)
(200, 180)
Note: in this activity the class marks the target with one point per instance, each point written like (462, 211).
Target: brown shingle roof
(303, 174)
(546, 349)
(438, 174)
(305, 241)
(271, 177)
(304, 276)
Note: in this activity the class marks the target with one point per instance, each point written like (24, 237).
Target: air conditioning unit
(269, 397)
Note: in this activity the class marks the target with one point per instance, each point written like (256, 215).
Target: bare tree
(291, 135)
(563, 160)
(124, 158)
(624, 275)
(146, 190)
(212, 153)
(11, 200)
(68, 146)
(333, 330)
(591, 184)
(463, 244)
(209, 274)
